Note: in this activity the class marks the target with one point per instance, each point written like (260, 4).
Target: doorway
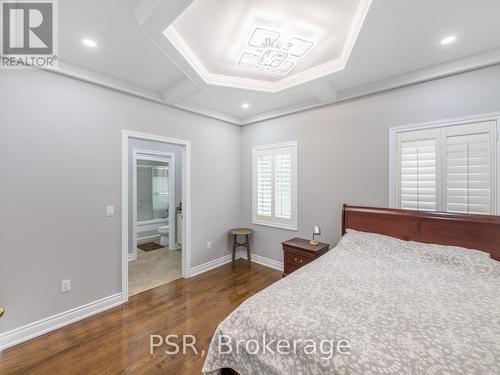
(156, 211)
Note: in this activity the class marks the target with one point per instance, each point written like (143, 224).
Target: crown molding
(181, 91)
(100, 79)
(324, 93)
(471, 63)
(103, 80)
(474, 62)
(207, 112)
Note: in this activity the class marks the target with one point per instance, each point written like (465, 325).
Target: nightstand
(297, 252)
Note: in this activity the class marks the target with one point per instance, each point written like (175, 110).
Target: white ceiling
(124, 51)
(398, 44)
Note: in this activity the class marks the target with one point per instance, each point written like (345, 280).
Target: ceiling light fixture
(448, 40)
(89, 43)
(245, 106)
(271, 52)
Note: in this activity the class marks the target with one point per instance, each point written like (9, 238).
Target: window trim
(393, 150)
(293, 226)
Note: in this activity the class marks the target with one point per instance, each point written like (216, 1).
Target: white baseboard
(263, 260)
(35, 329)
(132, 256)
(202, 268)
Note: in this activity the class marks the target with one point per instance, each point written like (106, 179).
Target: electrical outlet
(209, 245)
(65, 286)
(110, 210)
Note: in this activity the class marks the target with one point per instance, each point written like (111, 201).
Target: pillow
(447, 250)
(452, 257)
(426, 249)
(371, 244)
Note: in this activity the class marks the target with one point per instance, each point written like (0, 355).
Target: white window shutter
(275, 190)
(418, 171)
(264, 184)
(449, 168)
(470, 171)
(283, 184)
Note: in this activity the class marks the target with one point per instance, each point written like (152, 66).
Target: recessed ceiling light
(448, 40)
(89, 43)
(245, 106)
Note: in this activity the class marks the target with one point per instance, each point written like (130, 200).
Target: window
(275, 185)
(449, 168)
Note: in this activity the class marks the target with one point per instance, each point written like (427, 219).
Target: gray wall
(153, 146)
(53, 226)
(60, 163)
(343, 149)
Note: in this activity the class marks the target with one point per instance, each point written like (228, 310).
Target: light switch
(110, 210)
(65, 286)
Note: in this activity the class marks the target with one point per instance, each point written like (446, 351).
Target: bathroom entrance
(156, 185)
(155, 200)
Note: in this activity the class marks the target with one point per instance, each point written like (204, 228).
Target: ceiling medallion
(269, 51)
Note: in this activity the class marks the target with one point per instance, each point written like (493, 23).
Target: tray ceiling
(267, 46)
(250, 60)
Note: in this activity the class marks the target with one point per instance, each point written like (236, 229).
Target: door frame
(143, 154)
(186, 201)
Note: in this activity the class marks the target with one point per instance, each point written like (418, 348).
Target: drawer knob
(296, 259)
(300, 261)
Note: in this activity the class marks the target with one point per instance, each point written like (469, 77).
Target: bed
(403, 292)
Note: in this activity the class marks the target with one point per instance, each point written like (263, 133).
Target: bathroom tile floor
(152, 269)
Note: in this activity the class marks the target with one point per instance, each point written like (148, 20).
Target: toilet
(163, 232)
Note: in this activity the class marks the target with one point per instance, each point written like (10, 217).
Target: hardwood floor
(117, 341)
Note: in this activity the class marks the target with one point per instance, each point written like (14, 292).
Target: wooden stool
(241, 232)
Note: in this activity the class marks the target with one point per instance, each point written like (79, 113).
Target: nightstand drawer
(289, 268)
(296, 260)
(298, 252)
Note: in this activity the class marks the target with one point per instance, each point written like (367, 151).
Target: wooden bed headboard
(470, 231)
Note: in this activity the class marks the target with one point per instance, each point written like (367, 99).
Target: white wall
(343, 149)
(153, 146)
(60, 163)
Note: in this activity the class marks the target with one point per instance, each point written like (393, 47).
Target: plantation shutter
(450, 168)
(283, 184)
(275, 185)
(470, 168)
(418, 171)
(264, 184)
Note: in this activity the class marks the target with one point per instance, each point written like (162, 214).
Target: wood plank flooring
(117, 341)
